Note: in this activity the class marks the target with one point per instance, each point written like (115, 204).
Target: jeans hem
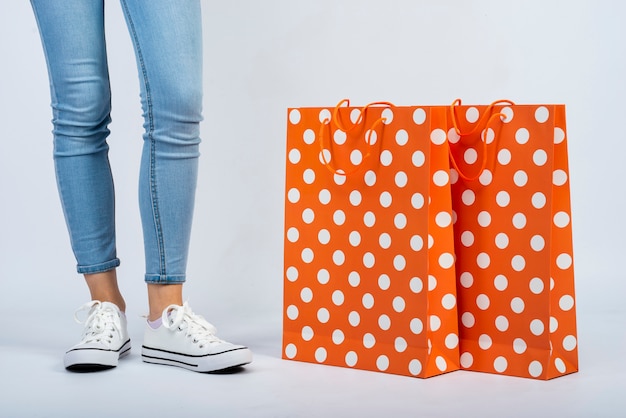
(98, 268)
(165, 279)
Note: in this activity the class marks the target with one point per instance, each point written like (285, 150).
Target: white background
(264, 56)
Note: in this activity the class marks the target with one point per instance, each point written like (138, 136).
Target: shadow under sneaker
(105, 339)
(187, 340)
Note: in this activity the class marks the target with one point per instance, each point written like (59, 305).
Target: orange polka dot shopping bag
(513, 239)
(369, 275)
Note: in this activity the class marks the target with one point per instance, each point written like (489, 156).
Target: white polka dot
(307, 333)
(561, 219)
(500, 282)
(417, 201)
(519, 221)
(292, 312)
(339, 178)
(324, 196)
(293, 195)
(400, 221)
(485, 341)
(354, 318)
(416, 326)
(453, 137)
(416, 285)
(386, 158)
(339, 217)
(518, 263)
(535, 368)
(470, 156)
(307, 255)
(323, 236)
(323, 276)
(418, 159)
(508, 114)
(417, 243)
(489, 135)
(554, 324)
(339, 137)
(351, 359)
(401, 179)
(441, 178)
(323, 315)
(294, 116)
(485, 178)
(355, 198)
(539, 200)
(384, 282)
(441, 363)
(325, 156)
(503, 199)
(368, 301)
(324, 115)
(398, 304)
(537, 327)
(484, 219)
(294, 156)
(560, 365)
(438, 136)
(385, 199)
(402, 137)
(400, 345)
(500, 364)
(540, 158)
(290, 351)
(292, 274)
(338, 336)
(454, 176)
(355, 115)
(483, 260)
(522, 135)
(559, 135)
(356, 157)
(483, 302)
(468, 197)
(542, 114)
(293, 234)
(467, 238)
(519, 346)
(308, 176)
(338, 297)
(472, 114)
(384, 322)
(354, 279)
(384, 240)
(502, 240)
(536, 285)
(339, 257)
(520, 178)
(443, 219)
(320, 355)
(308, 136)
(468, 320)
(448, 301)
(517, 305)
(569, 343)
(566, 302)
(419, 116)
(559, 177)
(502, 323)
(467, 360)
(446, 260)
(564, 261)
(415, 367)
(369, 219)
(370, 178)
(399, 263)
(387, 114)
(355, 238)
(504, 156)
(369, 260)
(451, 341)
(537, 243)
(467, 280)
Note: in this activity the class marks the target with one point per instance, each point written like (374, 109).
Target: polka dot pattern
(512, 240)
(369, 278)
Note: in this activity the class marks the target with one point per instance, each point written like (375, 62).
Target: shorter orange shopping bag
(369, 277)
(513, 239)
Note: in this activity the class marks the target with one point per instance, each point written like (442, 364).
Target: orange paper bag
(513, 239)
(369, 277)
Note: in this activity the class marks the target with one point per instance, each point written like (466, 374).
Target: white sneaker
(187, 340)
(105, 338)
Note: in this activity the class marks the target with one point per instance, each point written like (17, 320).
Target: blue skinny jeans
(167, 37)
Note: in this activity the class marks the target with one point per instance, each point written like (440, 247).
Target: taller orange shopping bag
(513, 239)
(369, 277)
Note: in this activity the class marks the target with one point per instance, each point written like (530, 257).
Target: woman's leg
(167, 37)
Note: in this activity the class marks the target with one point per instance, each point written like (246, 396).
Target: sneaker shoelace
(101, 324)
(194, 326)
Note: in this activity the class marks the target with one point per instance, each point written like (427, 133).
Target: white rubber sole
(239, 356)
(91, 358)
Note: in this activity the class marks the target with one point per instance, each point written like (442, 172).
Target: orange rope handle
(479, 123)
(368, 140)
(361, 118)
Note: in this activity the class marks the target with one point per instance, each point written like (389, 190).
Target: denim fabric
(167, 39)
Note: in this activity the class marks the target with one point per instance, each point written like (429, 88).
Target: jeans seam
(150, 134)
